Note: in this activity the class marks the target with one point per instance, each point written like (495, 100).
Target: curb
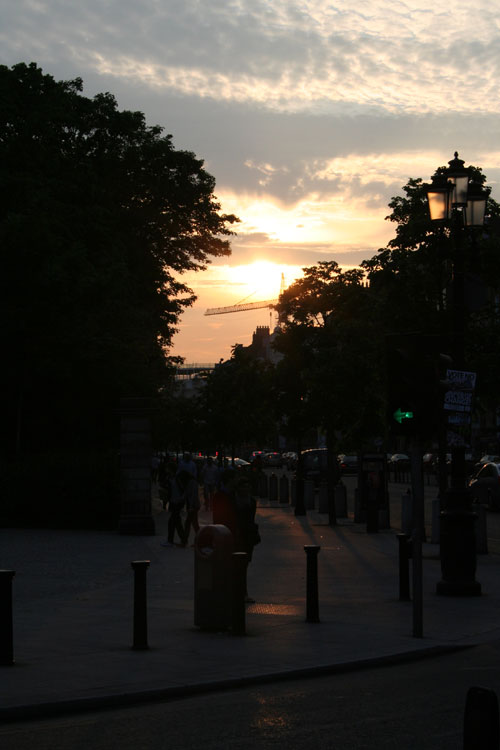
(122, 700)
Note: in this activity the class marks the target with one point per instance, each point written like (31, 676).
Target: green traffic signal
(400, 415)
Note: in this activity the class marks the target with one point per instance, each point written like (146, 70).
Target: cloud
(292, 56)
(311, 115)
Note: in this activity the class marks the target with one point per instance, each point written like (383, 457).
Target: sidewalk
(73, 610)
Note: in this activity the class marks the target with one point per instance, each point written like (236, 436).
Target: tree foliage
(412, 278)
(335, 322)
(236, 403)
(99, 215)
(328, 317)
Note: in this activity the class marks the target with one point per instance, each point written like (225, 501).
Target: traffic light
(414, 395)
(401, 386)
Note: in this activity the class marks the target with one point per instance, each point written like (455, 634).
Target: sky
(311, 115)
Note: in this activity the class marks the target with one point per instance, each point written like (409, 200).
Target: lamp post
(454, 200)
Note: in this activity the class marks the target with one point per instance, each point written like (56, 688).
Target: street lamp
(456, 201)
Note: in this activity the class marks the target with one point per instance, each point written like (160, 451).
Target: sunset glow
(310, 116)
(260, 280)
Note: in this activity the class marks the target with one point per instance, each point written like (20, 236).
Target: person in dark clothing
(191, 494)
(235, 507)
(176, 503)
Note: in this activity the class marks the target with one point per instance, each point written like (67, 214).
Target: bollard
(309, 494)
(436, 521)
(406, 512)
(481, 724)
(273, 488)
(140, 605)
(238, 593)
(405, 549)
(332, 512)
(262, 485)
(359, 511)
(323, 498)
(6, 628)
(341, 500)
(284, 493)
(312, 603)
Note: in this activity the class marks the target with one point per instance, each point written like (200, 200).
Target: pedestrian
(209, 476)
(192, 498)
(187, 464)
(155, 466)
(235, 508)
(166, 473)
(176, 503)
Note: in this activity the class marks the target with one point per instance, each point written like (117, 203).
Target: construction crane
(242, 306)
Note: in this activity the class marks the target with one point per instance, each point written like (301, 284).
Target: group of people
(226, 493)
(179, 489)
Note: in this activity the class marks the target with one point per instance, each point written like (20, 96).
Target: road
(419, 705)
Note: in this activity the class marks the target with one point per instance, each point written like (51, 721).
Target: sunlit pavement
(73, 611)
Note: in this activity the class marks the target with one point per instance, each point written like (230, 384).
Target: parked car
(399, 459)
(485, 486)
(348, 464)
(256, 454)
(240, 463)
(273, 458)
(315, 465)
(289, 458)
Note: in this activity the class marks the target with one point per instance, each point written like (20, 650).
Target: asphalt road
(418, 705)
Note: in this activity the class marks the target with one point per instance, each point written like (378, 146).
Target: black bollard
(273, 488)
(238, 592)
(405, 548)
(6, 628)
(481, 725)
(284, 491)
(140, 605)
(312, 604)
(262, 485)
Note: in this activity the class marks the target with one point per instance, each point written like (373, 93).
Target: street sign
(458, 405)
(461, 387)
(461, 380)
(458, 400)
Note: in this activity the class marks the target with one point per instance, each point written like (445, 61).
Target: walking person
(235, 507)
(166, 472)
(155, 466)
(176, 503)
(187, 464)
(209, 476)
(192, 497)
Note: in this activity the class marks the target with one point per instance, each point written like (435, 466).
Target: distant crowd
(225, 491)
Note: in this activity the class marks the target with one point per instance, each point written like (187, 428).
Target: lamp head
(459, 177)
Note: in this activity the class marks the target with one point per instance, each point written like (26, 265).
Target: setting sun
(261, 280)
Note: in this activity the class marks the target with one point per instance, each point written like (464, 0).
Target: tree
(342, 346)
(412, 279)
(99, 216)
(237, 402)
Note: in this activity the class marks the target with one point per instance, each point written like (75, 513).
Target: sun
(258, 281)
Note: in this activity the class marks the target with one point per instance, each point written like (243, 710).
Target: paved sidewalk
(73, 609)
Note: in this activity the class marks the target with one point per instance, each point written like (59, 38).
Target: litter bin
(212, 577)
